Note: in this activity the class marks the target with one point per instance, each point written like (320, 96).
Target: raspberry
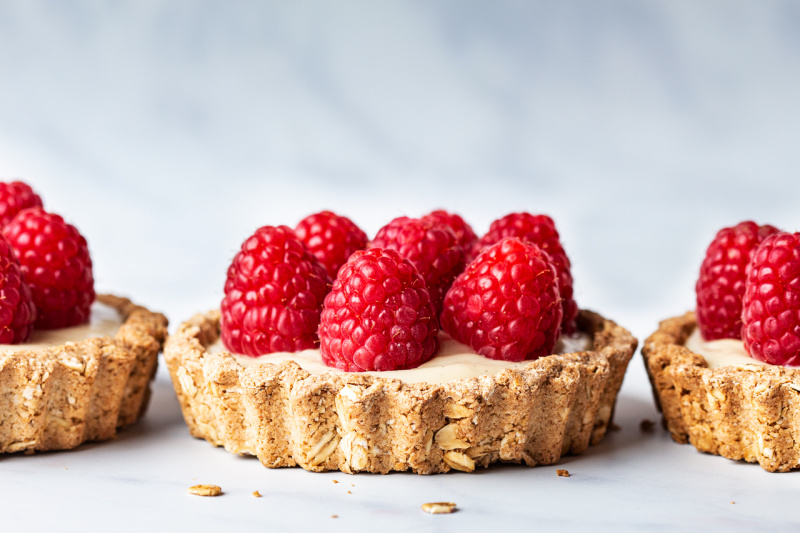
(55, 262)
(17, 311)
(14, 197)
(506, 304)
(465, 237)
(430, 247)
(273, 295)
(541, 231)
(720, 286)
(331, 238)
(771, 303)
(378, 316)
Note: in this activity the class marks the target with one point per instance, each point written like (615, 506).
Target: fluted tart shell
(362, 423)
(746, 412)
(58, 397)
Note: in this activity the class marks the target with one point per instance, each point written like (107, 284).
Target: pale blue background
(168, 131)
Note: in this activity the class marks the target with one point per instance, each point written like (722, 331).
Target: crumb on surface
(336, 481)
(439, 507)
(562, 473)
(334, 516)
(647, 426)
(349, 492)
(256, 494)
(205, 490)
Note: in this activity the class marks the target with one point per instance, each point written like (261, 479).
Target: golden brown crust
(59, 397)
(360, 423)
(749, 413)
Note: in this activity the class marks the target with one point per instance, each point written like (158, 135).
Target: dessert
(457, 411)
(75, 367)
(734, 398)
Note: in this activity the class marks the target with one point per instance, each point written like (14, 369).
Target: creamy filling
(104, 321)
(453, 361)
(720, 352)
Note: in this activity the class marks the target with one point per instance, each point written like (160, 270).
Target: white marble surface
(168, 131)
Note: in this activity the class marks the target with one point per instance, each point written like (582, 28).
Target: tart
(725, 377)
(73, 385)
(744, 410)
(531, 412)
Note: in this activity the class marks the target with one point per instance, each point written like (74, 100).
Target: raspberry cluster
(46, 279)
(382, 306)
(749, 289)
(720, 287)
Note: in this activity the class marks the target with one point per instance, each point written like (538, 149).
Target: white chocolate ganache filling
(104, 321)
(720, 352)
(453, 361)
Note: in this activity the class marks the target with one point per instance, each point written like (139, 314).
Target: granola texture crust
(749, 412)
(61, 396)
(285, 416)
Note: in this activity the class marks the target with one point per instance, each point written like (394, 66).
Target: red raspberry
(55, 262)
(506, 304)
(771, 303)
(17, 311)
(465, 237)
(720, 286)
(273, 295)
(541, 231)
(332, 238)
(14, 197)
(378, 316)
(430, 247)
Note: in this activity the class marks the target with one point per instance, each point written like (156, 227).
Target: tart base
(285, 416)
(748, 412)
(61, 396)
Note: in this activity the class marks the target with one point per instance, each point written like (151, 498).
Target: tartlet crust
(58, 397)
(360, 423)
(749, 412)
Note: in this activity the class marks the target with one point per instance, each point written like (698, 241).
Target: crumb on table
(205, 490)
(439, 507)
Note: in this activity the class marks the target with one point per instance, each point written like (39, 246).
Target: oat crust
(61, 396)
(749, 413)
(359, 423)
